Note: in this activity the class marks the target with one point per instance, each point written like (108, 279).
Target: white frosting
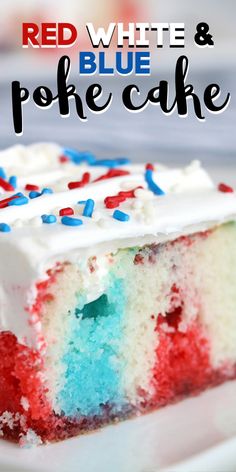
(191, 202)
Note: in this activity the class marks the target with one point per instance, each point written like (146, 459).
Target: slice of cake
(117, 289)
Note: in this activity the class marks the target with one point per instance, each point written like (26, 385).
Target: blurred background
(149, 135)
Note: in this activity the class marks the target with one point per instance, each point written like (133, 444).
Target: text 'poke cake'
(117, 289)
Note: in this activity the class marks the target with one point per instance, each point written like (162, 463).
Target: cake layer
(52, 179)
(117, 289)
(122, 333)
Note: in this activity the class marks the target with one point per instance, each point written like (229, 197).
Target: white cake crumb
(7, 418)
(24, 403)
(30, 439)
(10, 419)
(167, 329)
(182, 327)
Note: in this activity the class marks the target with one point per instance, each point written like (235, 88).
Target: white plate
(195, 435)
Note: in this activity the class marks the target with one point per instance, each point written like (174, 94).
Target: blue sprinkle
(4, 228)
(123, 161)
(22, 200)
(34, 194)
(81, 202)
(3, 174)
(120, 215)
(77, 157)
(89, 207)
(111, 163)
(49, 219)
(68, 221)
(46, 190)
(151, 184)
(13, 181)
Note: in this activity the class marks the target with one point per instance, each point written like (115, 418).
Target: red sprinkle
(129, 193)
(112, 173)
(80, 183)
(6, 186)
(149, 167)
(31, 187)
(225, 188)
(117, 173)
(4, 203)
(114, 201)
(66, 211)
(63, 159)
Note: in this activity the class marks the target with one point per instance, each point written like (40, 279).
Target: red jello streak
(80, 183)
(43, 292)
(6, 186)
(225, 188)
(112, 173)
(31, 187)
(4, 203)
(19, 371)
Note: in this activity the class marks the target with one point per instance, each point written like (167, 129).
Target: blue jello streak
(92, 374)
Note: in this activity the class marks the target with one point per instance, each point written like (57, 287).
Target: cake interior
(122, 334)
